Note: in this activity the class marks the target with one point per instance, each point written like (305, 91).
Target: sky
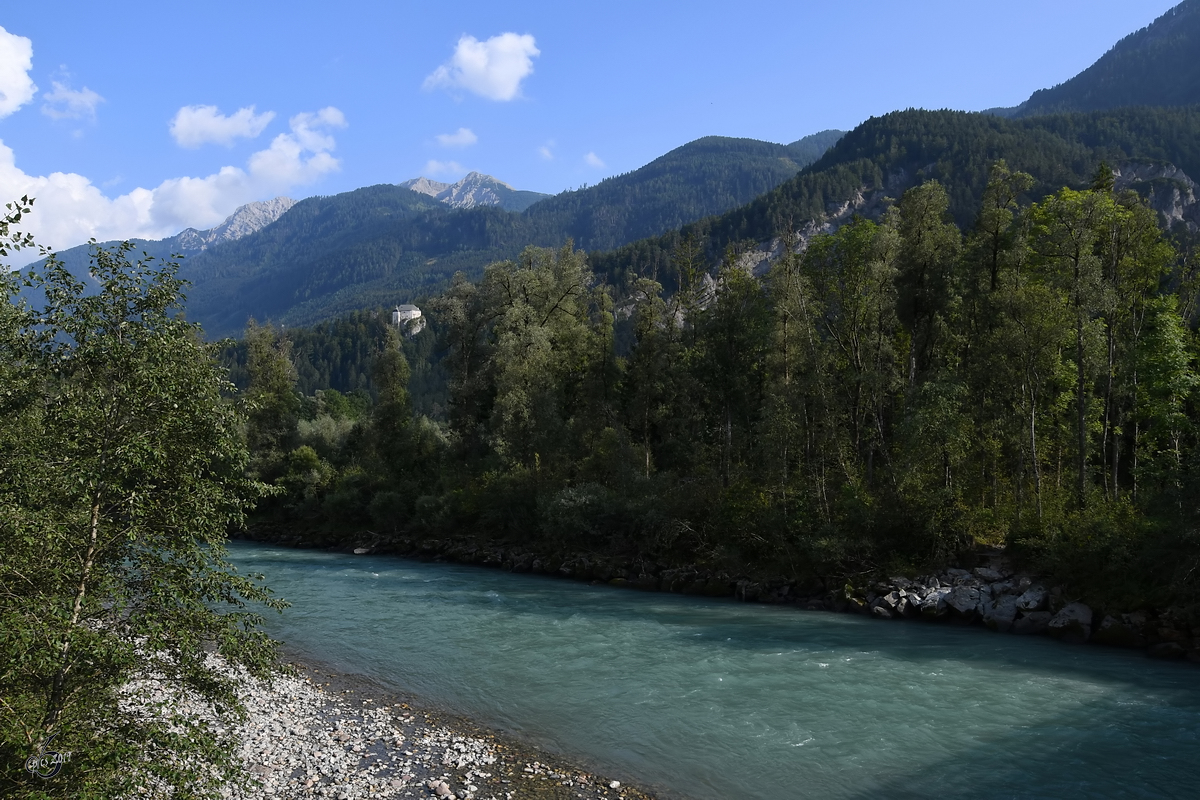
(140, 119)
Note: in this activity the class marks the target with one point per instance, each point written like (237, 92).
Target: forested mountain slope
(887, 155)
(707, 176)
(386, 244)
(244, 221)
(1156, 66)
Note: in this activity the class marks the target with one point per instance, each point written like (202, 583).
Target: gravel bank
(315, 733)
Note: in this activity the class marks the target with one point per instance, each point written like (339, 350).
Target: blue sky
(142, 118)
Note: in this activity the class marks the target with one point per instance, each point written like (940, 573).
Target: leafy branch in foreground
(121, 470)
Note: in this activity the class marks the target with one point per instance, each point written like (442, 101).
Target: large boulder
(910, 604)
(963, 602)
(1033, 623)
(747, 590)
(1072, 624)
(1000, 614)
(933, 605)
(855, 605)
(988, 575)
(1168, 633)
(1034, 599)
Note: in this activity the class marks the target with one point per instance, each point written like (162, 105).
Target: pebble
(303, 740)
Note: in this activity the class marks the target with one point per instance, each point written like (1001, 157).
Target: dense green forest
(1155, 66)
(899, 391)
(886, 155)
(337, 358)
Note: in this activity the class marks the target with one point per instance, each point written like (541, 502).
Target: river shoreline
(990, 593)
(314, 732)
(727, 699)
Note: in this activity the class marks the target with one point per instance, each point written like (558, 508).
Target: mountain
(385, 244)
(813, 146)
(701, 178)
(246, 220)
(883, 157)
(476, 189)
(1158, 65)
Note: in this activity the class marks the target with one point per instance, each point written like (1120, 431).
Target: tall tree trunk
(54, 705)
(1081, 413)
(1116, 459)
(727, 447)
(1110, 484)
(1033, 454)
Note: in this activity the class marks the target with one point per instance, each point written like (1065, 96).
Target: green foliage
(893, 394)
(887, 155)
(121, 470)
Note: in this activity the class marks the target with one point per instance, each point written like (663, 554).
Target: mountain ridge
(245, 220)
(880, 159)
(1154, 66)
(387, 244)
(475, 189)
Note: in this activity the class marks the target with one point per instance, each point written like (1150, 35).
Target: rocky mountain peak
(425, 186)
(247, 219)
(250, 218)
(476, 189)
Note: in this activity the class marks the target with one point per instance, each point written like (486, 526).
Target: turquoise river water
(719, 699)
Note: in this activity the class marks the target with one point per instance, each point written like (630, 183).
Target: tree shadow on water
(1093, 751)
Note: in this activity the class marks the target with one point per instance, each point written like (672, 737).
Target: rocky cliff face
(425, 186)
(474, 190)
(1167, 189)
(246, 220)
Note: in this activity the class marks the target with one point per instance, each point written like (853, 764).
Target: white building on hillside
(408, 319)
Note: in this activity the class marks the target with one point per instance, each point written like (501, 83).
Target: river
(719, 699)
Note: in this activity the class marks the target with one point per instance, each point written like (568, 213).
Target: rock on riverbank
(1007, 602)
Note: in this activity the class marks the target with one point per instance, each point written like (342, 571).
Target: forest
(886, 155)
(894, 393)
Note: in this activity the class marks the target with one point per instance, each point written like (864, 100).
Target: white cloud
(70, 209)
(493, 69)
(16, 59)
(463, 137)
(593, 160)
(63, 102)
(546, 152)
(194, 126)
(434, 167)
